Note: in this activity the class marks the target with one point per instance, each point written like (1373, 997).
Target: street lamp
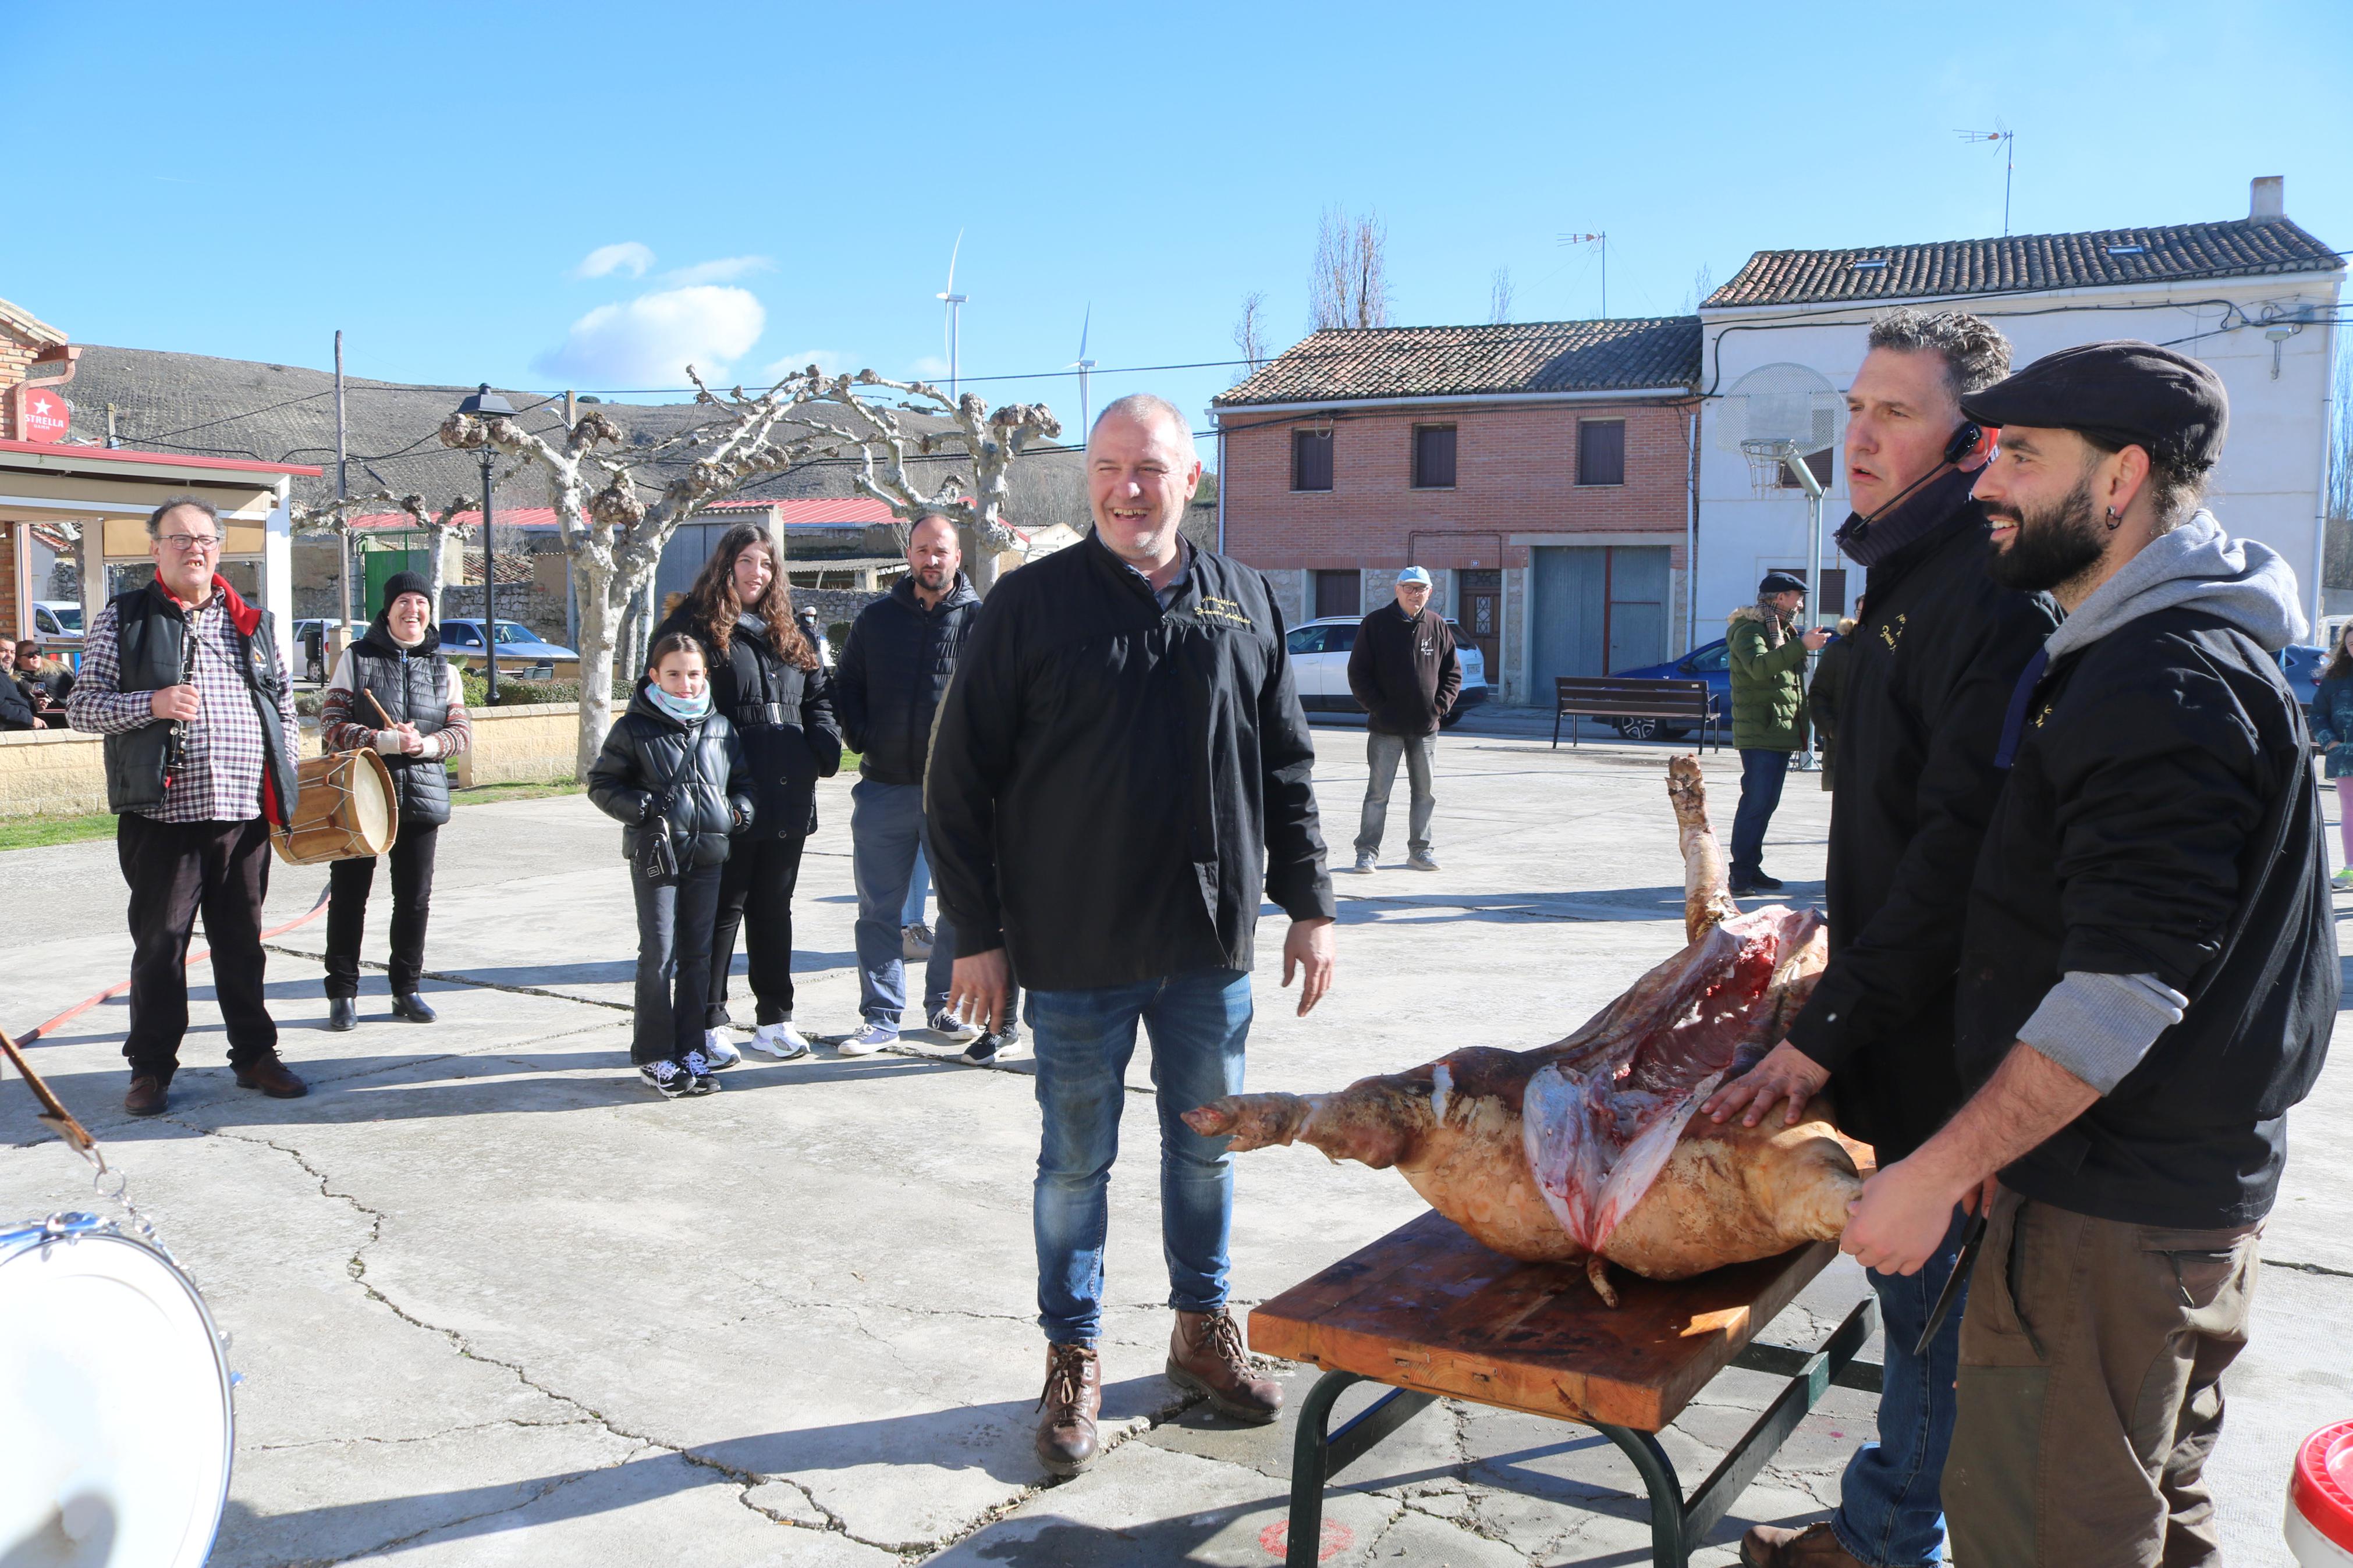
(486, 405)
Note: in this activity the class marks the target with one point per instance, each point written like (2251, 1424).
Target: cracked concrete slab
(494, 1302)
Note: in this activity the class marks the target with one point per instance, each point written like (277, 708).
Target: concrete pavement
(495, 1302)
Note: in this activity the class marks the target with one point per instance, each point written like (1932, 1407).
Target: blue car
(1710, 662)
(2302, 665)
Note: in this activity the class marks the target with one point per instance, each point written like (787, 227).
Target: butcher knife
(1971, 1239)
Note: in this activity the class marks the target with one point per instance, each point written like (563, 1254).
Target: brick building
(1542, 470)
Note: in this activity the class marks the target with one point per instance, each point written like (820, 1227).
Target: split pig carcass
(1591, 1147)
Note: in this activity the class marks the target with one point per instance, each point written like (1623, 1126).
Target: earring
(2114, 522)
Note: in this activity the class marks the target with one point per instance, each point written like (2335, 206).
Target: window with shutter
(1311, 460)
(1601, 452)
(1433, 456)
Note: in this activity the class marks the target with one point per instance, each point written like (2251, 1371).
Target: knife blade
(1972, 1238)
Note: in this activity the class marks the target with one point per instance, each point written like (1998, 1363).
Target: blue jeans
(886, 836)
(919, 888)
(1198, 1022)
(1761, 775)
(1891, 1511)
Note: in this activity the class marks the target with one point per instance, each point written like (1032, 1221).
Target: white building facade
(2255, 299)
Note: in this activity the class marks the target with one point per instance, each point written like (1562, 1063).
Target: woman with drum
(767, 680)
(392, 692)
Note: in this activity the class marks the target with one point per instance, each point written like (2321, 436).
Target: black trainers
(982, 1051)
(1764, 884)
(668, 1077)
(698, 1070)
(1008, 1036)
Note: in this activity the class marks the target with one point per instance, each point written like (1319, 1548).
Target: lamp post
(486, 405)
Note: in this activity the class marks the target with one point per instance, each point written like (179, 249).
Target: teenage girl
(2332, 728)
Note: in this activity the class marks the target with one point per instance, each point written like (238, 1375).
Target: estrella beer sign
(44, 416)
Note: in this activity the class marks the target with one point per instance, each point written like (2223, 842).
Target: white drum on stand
(116, 1429)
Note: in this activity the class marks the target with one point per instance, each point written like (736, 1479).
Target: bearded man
(2148, 975)
(1928, 678)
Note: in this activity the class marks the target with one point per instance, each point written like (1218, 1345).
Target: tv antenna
(1602, 239)
(1083, 365)
(2009, 164)
(955, 303)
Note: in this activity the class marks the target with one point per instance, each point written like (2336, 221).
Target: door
(1597, 610)
(383, 566)
(1482, 614)
(1339, 594)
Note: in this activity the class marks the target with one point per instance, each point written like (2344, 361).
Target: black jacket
(892, 675)
(2161, 820)
(783, 716)
(1112, 787)
(1403, 671)
(16, 709)
(413, 686)
(645, 771)
(1920, 705)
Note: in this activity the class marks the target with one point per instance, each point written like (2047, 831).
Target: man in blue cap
(1403, 671)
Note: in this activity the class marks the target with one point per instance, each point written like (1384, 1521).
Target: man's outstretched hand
(1786, 1073)
(977, 992)
(1310, 945)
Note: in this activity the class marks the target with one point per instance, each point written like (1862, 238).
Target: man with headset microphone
(1920, 718)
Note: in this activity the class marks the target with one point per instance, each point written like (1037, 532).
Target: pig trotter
(1597, 1270)
(1251, 1120)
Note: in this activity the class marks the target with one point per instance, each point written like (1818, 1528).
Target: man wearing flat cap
(2148, 975)
(1403, 672)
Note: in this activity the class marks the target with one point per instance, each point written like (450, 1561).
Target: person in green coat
(1767, 655)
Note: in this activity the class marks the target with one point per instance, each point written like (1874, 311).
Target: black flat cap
(2128, 394)
(1779, 583)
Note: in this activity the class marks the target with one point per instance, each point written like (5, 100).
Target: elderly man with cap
(391, 692)
(1403, 671)
(2148, 975)
(1767, 656)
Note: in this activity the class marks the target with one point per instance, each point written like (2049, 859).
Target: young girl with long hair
(768, 682)
(2331, 716)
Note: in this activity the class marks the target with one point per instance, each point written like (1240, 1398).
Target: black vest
(150, 635)
(412, 685)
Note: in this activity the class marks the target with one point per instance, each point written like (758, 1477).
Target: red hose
(78, 1008)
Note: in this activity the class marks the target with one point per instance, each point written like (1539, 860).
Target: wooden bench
(1433, 1314)
(1623, 696)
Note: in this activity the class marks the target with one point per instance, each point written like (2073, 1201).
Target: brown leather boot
(272, 1078)
(1770, 1546)
(1073, 1398)
(147, 1096)
(1206, 1355)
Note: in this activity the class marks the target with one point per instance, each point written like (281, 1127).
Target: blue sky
(583, 195)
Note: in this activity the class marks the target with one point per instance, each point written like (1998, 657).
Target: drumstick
(379, 710)
(53, 1111)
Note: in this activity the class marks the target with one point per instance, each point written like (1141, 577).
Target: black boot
(408, 1004)
(342, 1013)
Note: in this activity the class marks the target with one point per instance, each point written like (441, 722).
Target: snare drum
(116, 1429)
(342, 810)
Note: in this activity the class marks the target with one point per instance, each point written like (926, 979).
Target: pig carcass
(1591, 1147)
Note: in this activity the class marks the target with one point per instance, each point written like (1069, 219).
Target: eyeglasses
(190, 543)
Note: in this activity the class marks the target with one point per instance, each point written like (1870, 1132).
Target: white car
(56, 620)
(1319, 667)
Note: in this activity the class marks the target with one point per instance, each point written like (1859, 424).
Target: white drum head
(115, 1426)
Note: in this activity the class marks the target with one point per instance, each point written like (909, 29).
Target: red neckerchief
(244, 616)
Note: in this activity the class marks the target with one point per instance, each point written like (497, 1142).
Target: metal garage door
(1599, 610)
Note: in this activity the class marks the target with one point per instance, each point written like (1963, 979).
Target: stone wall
(532, 744)
(51, 773)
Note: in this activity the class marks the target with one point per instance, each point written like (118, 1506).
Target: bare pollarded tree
(1349, 287)
(337, 518)
(1499, 297)
(1250, 335)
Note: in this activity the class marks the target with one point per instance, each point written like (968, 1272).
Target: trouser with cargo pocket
(2091, 1389)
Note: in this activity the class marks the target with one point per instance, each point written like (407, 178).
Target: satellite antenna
(1779, 416)
(1082, 364)
(2009, 166)
(954, 300)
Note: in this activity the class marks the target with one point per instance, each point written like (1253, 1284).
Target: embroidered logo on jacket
(1892, 633)
(1227, 610)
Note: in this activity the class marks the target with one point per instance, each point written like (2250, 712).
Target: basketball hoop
(1767, 457)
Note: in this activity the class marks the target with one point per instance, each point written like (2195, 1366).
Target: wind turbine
(953, 302)
(1082, 364)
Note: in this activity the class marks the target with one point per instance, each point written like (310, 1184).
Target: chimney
(2267, 198)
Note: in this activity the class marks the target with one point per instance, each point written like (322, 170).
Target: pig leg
(1596, 1271)
(1708, 876)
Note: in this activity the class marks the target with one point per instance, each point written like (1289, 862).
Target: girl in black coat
(767, 681)
(674, 773)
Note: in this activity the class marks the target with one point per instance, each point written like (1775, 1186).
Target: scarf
(685, 710)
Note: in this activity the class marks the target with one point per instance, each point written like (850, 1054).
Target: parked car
(518, 643)
(56, 620)
(311, 637)
(1710, 662)
(1319, 667)
(2302, 665)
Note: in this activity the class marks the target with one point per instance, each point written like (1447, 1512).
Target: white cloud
(726, 269)
(931, 367)
(628, 255)
(650, 341)
(833, 362)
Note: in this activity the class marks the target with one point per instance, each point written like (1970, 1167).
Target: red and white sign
(45, 416)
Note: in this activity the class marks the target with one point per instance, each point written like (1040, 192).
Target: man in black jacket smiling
(2147, 980)
(1122, 769)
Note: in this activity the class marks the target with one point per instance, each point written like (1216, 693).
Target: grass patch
(39, 832)
(487, 795)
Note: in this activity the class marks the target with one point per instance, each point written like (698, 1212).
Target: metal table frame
(1676, 1525)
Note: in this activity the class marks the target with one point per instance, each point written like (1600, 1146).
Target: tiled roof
(534, 517)
(816, 510)
(1346, 362)
(2026, 263)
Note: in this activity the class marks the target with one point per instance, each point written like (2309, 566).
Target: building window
(1339, 594)
(1824, 463)
(1601, 451)
(1433, 456)
(1311, 460)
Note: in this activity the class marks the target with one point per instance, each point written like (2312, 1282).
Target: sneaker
(698, 1068)
(1764, 884)
(1364, 862)
(1008, 1036)
(868, 1040)
(982, 1051)
(2343, 880)
(946, 1023)
(915, 942)
(1421, 861)
(781, 1041)
(718, 1049)
(667, 1076)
